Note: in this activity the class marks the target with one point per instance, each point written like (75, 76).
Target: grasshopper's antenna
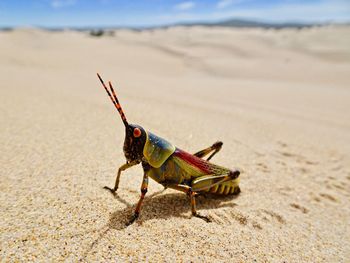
(115, 100)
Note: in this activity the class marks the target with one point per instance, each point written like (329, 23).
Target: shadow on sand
(164, 206)
(159, 206)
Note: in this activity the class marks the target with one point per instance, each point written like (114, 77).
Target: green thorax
(157, 150)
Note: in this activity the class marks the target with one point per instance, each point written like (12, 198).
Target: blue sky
(61, 13)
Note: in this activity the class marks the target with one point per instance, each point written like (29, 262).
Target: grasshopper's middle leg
(216, 147)
(188, 190)
(121, 168)
(201, 184)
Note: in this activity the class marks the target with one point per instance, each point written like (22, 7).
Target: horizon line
(220, 22)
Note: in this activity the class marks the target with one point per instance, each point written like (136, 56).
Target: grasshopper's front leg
(121, 168)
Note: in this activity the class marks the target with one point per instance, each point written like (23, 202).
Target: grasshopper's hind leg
(216, 147)
(205, 182)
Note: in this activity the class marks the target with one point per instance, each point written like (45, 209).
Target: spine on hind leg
(227, 188)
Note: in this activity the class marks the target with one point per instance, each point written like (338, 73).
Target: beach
(277, 99)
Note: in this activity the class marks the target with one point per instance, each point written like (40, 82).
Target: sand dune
(278, 99)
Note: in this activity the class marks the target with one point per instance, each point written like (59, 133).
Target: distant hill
(248, 23)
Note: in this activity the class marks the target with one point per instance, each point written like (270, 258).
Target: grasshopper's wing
(196, 167)
(157, 150)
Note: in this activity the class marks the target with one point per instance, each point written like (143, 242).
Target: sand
(278, 99)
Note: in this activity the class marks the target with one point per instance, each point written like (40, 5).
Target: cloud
(226, 3)
(185, 6)
(316, 12)
(62, 3)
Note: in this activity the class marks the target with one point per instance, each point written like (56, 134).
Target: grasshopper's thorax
(135, 138)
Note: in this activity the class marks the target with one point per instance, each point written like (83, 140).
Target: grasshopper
(171, 166)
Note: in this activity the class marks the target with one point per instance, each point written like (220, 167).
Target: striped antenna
(114, 99)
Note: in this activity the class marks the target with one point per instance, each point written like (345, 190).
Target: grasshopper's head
(135, 139)
(135, 135)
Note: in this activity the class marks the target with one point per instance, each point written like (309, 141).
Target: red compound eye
(137, 132)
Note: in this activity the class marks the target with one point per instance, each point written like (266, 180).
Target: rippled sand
(278, 99)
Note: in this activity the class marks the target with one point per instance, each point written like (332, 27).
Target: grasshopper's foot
(132, 219)
(113, 191)
(206, 219)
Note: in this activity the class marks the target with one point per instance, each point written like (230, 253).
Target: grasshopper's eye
(137, 132)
